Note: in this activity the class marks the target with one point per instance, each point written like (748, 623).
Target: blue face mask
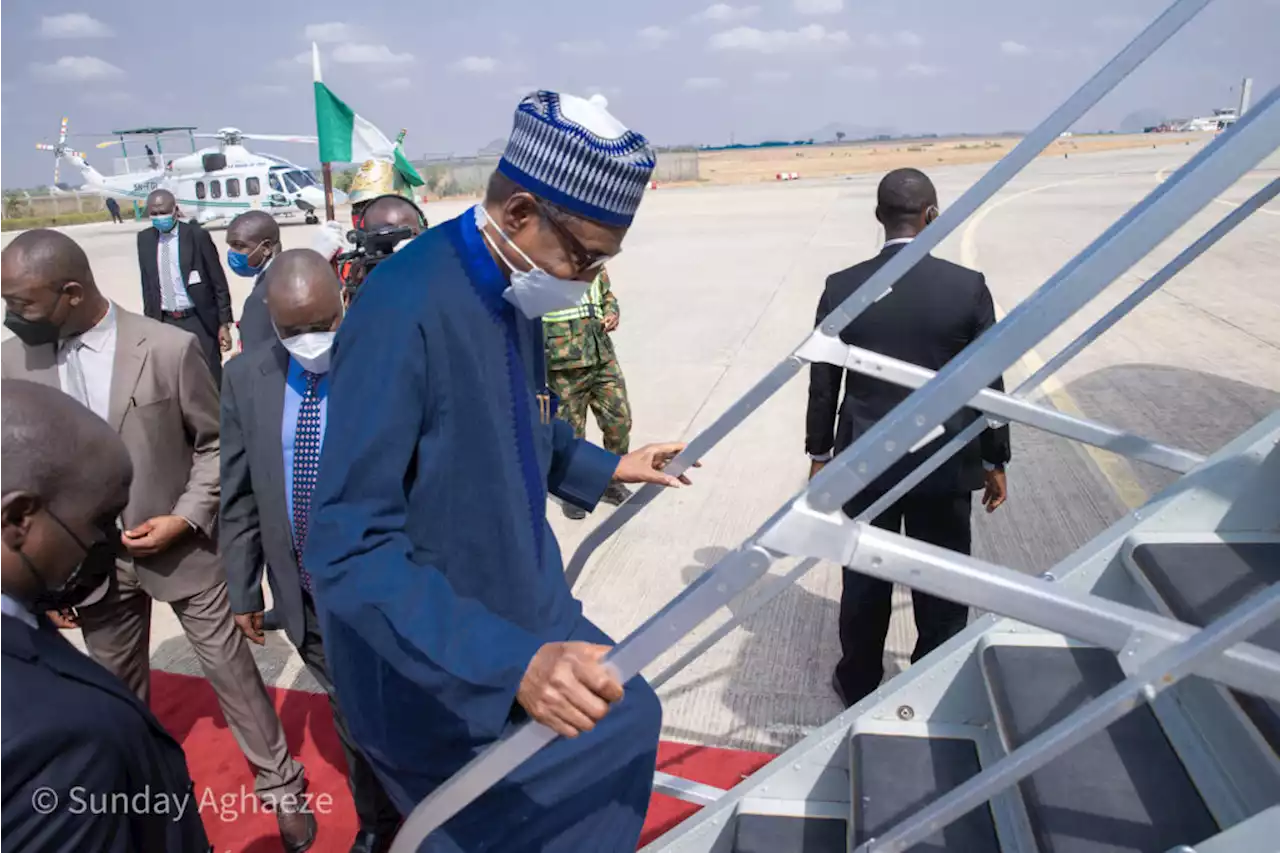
(164, 224)
(239, 263)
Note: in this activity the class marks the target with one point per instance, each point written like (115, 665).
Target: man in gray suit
(274, 402)
(150, 382)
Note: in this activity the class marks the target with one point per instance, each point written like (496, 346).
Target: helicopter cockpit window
(274, 182)
(233, 188)
(200, 191)
(215, 189)
(252, 186)
(302, 179)
(288, 182)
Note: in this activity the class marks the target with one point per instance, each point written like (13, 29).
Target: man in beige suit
(150, 382)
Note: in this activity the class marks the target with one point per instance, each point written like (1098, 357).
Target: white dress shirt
(97, 359)
(10, 607)
(178, 287)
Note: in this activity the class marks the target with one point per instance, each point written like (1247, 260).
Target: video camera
(371, 248)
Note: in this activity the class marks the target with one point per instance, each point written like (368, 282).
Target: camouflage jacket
(582, 342)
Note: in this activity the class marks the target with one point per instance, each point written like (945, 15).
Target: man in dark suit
(274, 402)
(253, 239)
(74, 734)
(931, 314)
(182, 279)
(148, 381)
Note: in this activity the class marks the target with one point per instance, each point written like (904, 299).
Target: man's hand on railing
(567, 689)
(996, 491)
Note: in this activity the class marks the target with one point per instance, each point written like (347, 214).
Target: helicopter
(210, 184)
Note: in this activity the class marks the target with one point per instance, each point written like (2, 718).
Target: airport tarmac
(717, 285)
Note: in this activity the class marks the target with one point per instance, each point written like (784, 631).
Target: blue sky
(678, 72)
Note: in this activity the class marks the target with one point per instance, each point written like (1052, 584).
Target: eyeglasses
(583, 259)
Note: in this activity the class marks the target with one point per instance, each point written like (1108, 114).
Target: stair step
(1200, 581)
(895, 776)
(1121, 791)
(757, 833)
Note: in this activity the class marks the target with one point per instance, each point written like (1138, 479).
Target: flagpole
(326, 168)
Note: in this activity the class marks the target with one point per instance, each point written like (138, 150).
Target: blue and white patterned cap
(573, 153)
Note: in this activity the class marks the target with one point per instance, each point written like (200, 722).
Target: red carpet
(224, 782)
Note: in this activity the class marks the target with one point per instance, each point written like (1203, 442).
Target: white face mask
(537, 291)
(311, 350)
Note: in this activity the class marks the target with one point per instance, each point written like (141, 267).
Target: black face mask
(33, 333)
(97, 565)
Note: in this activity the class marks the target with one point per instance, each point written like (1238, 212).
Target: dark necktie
(306, 464)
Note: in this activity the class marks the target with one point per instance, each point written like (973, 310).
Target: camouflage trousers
(602, 389)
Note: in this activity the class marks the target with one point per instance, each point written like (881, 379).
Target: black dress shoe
(271, 621)
(372, 842)
(297, 830)
(571, 511)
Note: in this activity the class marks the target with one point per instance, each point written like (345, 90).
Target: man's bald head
(254, 226)
(65, 480)
(45, 276)
(303, 293)
(58, 450)
(161, 203)
(392, 211)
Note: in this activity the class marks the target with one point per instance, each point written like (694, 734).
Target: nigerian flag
(348, 138)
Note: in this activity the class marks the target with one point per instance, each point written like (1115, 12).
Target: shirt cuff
(821, 457)
(991, 466)
(190, 523)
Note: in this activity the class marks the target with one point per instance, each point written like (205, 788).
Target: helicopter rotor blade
(62, 137)
(109, 143)
(276, 137)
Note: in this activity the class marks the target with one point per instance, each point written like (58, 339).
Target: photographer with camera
(382, 226)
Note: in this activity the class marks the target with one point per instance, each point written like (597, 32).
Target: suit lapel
(269, 407)
(131, 355)
(186, 250)
(40, 364)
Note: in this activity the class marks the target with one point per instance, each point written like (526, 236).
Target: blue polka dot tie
(306, 465)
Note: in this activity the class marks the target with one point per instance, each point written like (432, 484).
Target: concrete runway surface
(717, 285)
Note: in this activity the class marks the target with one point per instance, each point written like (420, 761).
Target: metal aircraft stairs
(1128, 700)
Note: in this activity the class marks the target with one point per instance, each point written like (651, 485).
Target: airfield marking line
(1115, 469)
(1164, 174)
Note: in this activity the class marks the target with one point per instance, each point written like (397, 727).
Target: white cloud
(396, 84)
(330, 32)
(723, 13)
(817, 7)
(73, 25)
(772, 76)
(77, 69)
(1014, 48)
(476, 65)
(606, 91)
(654, 37)
(292, 63)
(1118, 23)
(778, 41)
(587, 47)
(920, 69)
(906, 38)
(855, 72)
(703, 84)
(875, 40)
(369, 54)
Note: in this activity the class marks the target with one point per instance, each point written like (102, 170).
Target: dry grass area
(827, 161)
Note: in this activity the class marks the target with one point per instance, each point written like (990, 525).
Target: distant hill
(497, 146)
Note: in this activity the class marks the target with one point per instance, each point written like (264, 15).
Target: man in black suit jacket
(74, 734)
(931, 314)
(266, 393)
(253, 239)
(182, 279)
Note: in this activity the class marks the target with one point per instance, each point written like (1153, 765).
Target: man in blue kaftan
(446, 615)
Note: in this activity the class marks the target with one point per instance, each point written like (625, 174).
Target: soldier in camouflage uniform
(582, 370)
